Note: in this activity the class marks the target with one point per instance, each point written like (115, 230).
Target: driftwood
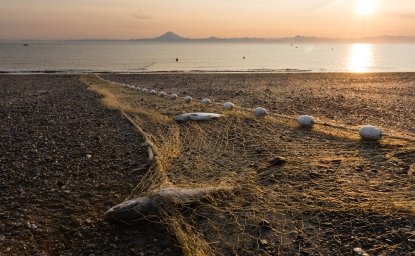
(165, 198)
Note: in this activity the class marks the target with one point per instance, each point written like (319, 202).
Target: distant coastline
(173, 37)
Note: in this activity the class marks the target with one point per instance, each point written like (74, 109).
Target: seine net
(272, 188)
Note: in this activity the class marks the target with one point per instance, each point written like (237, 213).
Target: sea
(147, 57)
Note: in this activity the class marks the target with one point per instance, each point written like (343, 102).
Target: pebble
(2, 238)
(359, 251)
(277, 160)
(264, 223)
(90, 246)
(263, 241)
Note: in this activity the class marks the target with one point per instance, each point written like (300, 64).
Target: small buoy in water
(228, 105)
(260, 111)
(370, 132)
(305, 121)
(205, 101)
(187, 99)
(153, 92)
(162, 94)
(173, 96)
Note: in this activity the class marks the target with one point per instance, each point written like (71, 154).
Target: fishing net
(282, 190)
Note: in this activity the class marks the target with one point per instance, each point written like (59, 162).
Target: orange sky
(125, 19)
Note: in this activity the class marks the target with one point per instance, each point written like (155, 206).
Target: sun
(365, 7)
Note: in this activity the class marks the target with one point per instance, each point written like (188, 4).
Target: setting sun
(365, 7)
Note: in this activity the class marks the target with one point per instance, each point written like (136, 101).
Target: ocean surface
(135, 57)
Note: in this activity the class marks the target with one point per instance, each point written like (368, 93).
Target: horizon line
(213, 38)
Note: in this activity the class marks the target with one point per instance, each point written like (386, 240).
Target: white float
(187, 99)
(197, 116)
(173, 96)
(305, 121)
(228, 105)
(370, 132)
(162, 94)
(261, 111)
(205, 101)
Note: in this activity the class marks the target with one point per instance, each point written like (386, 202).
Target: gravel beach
(65, 160)
(383, 99)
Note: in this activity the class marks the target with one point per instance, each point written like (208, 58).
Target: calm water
(148, 57)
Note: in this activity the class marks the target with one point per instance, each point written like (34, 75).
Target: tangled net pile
(333, 194)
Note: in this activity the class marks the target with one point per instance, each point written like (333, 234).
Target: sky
(127, 19)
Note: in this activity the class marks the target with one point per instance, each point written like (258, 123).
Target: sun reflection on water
(360, 58)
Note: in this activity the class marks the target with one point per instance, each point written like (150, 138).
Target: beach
(68, 155)
(384, 99)
(65, 160)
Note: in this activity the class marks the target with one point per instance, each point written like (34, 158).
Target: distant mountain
(173, 37)
(169, 36)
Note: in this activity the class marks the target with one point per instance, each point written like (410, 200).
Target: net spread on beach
(282, 190)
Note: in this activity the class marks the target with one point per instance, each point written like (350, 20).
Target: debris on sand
(199, 116)
(165, 198)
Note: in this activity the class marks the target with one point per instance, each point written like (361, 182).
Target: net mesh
(333, 193)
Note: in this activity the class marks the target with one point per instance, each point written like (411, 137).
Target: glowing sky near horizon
(124, 19)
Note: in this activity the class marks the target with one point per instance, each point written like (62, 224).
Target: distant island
(173, 37)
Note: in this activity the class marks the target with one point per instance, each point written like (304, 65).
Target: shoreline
(284, 71)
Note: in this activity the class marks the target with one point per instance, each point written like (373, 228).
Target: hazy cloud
(406, 16)
(321, 4)
(409, 16)
(140, 15)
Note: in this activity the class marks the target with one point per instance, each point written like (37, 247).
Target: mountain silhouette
(169, 36)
